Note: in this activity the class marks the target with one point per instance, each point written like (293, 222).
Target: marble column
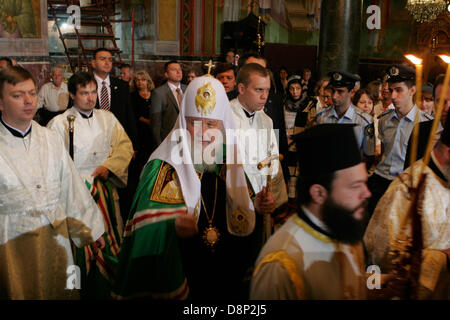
(340, 26)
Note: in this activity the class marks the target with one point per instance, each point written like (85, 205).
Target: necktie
(104, 98)
(179, 97)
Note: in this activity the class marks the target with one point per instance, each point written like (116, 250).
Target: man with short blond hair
(253, 83)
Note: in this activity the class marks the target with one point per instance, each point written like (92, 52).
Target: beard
(201, 155)
(341, 223)
(204, 167)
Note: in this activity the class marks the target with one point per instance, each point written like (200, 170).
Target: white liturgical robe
(43, 204)
(257, 141)
(99, 140)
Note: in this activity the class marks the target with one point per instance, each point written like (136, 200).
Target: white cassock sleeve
(84, 219)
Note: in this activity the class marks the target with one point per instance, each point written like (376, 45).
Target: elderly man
(193, 230)
(318, 254)
(53, 97)
(44, 202)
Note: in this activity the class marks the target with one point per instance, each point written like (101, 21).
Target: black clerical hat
(326, 148)
(445, 136)
(343, 79)
(400, 73)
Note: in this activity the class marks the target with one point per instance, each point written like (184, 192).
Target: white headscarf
(205, 97)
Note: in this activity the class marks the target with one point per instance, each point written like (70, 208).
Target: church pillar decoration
(187, 27)
(340, 25)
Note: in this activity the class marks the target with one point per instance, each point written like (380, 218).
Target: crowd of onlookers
(148, 113)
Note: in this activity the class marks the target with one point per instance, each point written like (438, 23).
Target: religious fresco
(23, 27)
(144, 25)
(20, 19)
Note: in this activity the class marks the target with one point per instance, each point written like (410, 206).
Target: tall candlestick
(415, 138)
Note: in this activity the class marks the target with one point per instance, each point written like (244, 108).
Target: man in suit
(113, 93)
(166, 102)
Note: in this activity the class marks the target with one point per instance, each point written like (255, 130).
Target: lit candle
(415, 141)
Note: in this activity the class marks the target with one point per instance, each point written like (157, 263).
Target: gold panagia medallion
(211, 235)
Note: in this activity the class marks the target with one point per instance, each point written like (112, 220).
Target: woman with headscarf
(292, 105)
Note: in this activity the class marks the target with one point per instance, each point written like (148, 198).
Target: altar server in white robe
(102, 148)
(255, 132)
(43, 201)
(318, 254)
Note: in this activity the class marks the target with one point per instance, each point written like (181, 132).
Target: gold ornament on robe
(167, 188)
(205, 101)
(211, 236)
(239, 221)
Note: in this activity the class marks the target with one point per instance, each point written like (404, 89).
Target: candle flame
(413, 59)
(445, 58)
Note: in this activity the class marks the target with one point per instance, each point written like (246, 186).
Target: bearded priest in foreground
(317, 254)
(192, 230)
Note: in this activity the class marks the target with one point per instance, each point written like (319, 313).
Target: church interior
(361, 37)
(320, 62)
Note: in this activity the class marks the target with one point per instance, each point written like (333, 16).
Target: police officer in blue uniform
(343, 111)
(394, 129)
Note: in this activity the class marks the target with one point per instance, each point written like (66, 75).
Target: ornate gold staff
(267, 162)
(71, 119)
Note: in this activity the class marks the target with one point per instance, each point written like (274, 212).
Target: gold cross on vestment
(210, 65)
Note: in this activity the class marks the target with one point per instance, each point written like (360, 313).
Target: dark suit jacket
(121, 107)
(424, 133)
(274, 109)
(163, 112)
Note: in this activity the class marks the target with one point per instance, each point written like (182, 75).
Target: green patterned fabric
(98, 268)
(149, 262)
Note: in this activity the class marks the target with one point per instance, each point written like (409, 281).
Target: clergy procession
(227, 182)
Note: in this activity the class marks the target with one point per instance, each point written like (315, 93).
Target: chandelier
(425, 10)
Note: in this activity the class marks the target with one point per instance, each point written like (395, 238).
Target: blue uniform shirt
(364, 130)
(394, 134)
